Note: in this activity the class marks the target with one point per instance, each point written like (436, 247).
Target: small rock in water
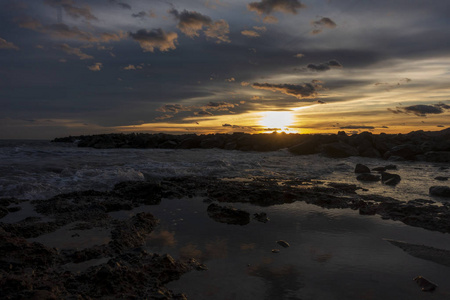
(283, 243)
(390, 179)
(391, 167)
(360, 168)
(425, 284)
(275, 250)
(441, 191)
(441, 178)
(261, 217)
(368, 177)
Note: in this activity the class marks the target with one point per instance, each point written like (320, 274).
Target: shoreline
(87, 210)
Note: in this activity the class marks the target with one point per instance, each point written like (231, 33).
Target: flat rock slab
(436, 255)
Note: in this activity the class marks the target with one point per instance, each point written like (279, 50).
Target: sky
(72, 67)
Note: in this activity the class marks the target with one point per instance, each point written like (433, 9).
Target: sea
(333, 253)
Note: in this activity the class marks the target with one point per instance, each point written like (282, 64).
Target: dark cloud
(63, 31)
(421, 110)
(266, 7)
(155, 39)
(173, 108)
(219, 106)
(305, 90)
(72, 10)
(7, 45)
(324, 66)
(140, 14)
(319, 25)
(357, 127)
(203, 113)
(121, 4)
(191, 22)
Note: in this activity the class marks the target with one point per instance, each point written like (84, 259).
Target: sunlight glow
(277, 119)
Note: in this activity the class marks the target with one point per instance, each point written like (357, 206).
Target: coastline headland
(432, 146)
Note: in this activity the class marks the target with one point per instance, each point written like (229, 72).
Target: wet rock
(360, 168)
(425, 284)
(441, 191)
(275, 250)
(391, 167)
(283, 243)
(228, 214)
(379, 169)
(421, 202)
(439, 256)
(261, 217)
(441, 178)
(368, 177)
(344, 187)
(368, 209)
(390, 179)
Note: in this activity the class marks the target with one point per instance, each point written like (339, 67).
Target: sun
(276, 119)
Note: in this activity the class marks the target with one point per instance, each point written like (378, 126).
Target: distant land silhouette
(432, 146)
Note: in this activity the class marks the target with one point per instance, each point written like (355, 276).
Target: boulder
(441, 191)
(437, 156)
(339, 150)
(425, 284)
(405, 151)
(283, 243)
(228, 214)
(390, 179)
(360, 168)
(368, 177)
(310, 146)
(261, 217)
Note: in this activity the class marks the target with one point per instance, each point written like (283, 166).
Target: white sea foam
(37, 170)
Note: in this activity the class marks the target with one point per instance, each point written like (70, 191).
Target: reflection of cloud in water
(191, 251)
(250, 246)
(320, 256)
(216, 249)
(162, 238)
(283, 281)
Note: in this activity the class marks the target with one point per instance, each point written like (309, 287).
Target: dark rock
(261, 217)
(283, 243)
(228, 214)
(425, 284)
(275, 250)
(406, 151)
(390, 179)
(368, 177)
(344, 187)
(360, 168)
(310, 146)
(339, 150)
(441, 191)
(441, 178)
(437, 156)
(391, 167)
(379, 169)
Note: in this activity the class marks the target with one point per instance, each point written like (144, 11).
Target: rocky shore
(432, 146)
(122, 268)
